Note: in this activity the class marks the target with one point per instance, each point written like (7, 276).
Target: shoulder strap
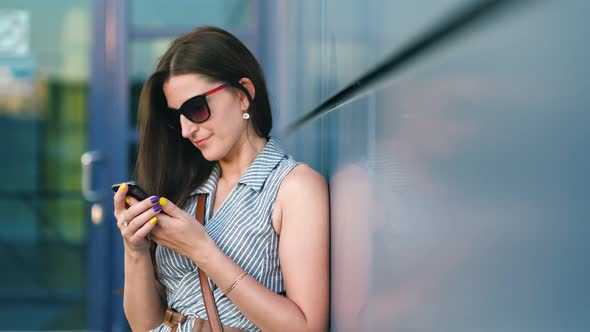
(210, 306)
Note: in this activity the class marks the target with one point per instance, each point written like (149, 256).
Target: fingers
(119, 199)
(144, 228)
(174, 211)
(138, 208)
(141, 218)
(130, 200)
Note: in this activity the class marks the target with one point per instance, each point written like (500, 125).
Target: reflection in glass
(459, 188)
(44, 51)
(231, 14)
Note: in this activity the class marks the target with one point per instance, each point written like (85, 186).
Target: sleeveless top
(242, 228)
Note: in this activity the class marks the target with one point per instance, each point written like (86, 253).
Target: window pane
(44, 72)
(229, 14)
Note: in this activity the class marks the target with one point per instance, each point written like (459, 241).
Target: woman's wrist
(204, 252)
(235, 283)
(222, 269)
(135, 254)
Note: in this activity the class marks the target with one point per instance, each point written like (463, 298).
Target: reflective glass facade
(44, 74)
(457, 184)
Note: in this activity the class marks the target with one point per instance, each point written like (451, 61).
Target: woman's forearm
(266, 309)
(143, 307)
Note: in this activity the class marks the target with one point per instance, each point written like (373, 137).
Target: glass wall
(44, 59)
(466, 168)
(163, 14)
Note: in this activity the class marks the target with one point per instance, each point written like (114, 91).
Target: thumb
(172, 210)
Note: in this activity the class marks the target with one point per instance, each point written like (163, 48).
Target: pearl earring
(246, 116)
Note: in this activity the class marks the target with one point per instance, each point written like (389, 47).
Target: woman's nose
(188, 127)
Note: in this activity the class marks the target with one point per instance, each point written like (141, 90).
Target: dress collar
(255, 175)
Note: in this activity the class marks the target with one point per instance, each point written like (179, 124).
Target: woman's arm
(304, 258)
(142, 304)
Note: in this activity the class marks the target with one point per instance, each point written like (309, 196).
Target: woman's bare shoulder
(303, 190)
(302, 180)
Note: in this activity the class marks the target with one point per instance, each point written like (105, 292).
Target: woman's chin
(209, 154)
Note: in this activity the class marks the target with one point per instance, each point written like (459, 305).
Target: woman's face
(225, 127)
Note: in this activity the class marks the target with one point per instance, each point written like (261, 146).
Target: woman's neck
(235, 164)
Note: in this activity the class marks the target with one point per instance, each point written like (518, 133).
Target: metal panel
(467, 167)
(108, 136)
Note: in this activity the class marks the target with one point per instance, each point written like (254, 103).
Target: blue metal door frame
(108, 138)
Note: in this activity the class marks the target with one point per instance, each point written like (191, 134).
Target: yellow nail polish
(127, 199)
(163, 201)
(124, 187)
(153, 221)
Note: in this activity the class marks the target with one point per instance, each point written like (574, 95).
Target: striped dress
(242, 228)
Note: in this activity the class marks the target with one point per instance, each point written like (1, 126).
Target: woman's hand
(180, 232)
(137, 221)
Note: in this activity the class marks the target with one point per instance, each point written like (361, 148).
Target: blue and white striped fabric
(242, 228)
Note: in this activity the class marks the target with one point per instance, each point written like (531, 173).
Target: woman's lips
(202, 142)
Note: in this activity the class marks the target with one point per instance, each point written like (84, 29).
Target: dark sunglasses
(195, 109)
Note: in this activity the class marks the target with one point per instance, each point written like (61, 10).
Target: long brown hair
(167, 164)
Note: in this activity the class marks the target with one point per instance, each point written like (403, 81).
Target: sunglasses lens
(196, 110)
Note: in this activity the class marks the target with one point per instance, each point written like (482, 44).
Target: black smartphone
(134, 191)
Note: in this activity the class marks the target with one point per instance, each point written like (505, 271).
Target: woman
(204, 125)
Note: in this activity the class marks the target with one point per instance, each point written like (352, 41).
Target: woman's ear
(249, 86)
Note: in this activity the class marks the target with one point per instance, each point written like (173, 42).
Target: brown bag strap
(210, 306)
